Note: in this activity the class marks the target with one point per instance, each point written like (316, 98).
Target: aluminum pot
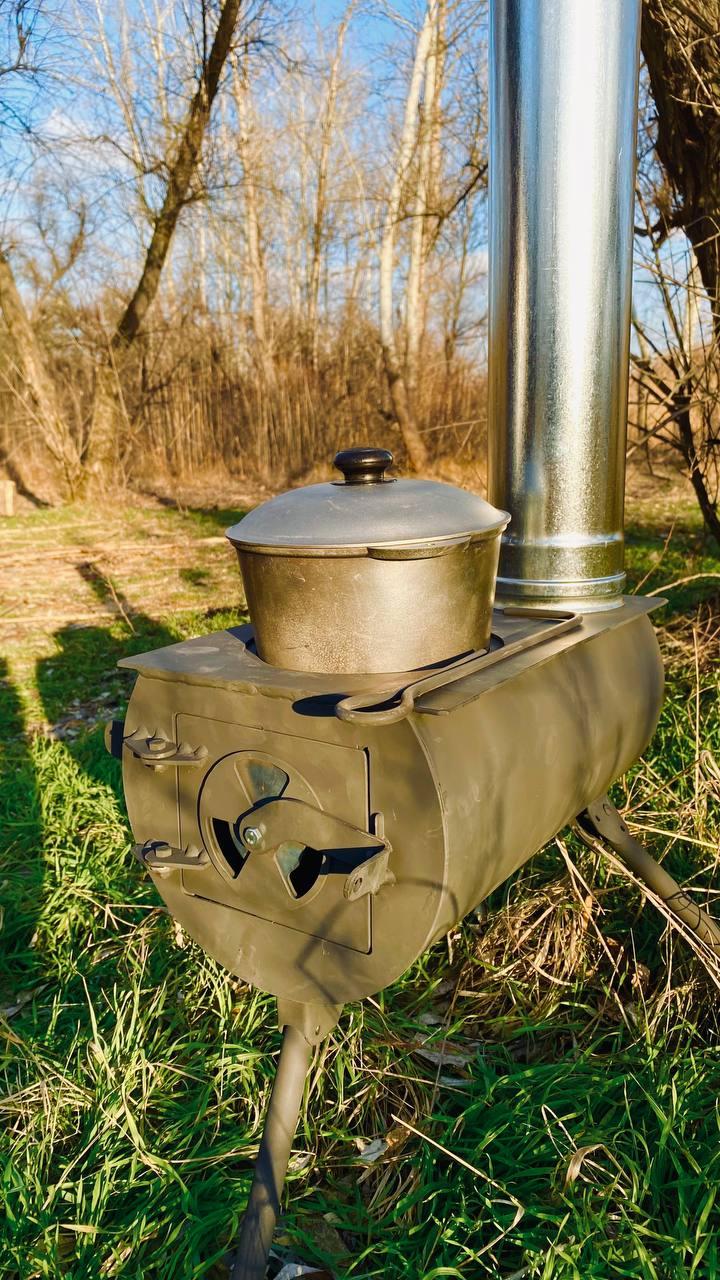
(369, 574)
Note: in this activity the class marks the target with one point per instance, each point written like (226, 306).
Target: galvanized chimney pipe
(563, 120)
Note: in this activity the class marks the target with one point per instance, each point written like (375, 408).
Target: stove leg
(272, 1160)
(602, 820)
(263, 1207)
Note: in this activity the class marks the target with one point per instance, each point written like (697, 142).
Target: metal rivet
(252, 837)
(156, 744)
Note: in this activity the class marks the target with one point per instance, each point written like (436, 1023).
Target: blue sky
(371, 31)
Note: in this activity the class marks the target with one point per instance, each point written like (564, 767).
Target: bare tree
(416, 449)
(681, 48)
(678, 380)
(21, 59)
(256, 265)
(30, 363)
(327, 124)
(102, 446)
(680, 373)
(425, 209)
(254, 227)
(21, 64)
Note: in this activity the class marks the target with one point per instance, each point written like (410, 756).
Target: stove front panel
(296, 887)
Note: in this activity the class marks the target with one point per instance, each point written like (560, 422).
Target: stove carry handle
(362, 708)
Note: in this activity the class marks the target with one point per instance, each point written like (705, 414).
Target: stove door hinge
(152, 749)
(158, 855)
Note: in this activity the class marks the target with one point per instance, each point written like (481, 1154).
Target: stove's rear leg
(304, 1026)
(602, 821)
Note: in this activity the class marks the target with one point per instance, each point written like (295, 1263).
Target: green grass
(135, 1071)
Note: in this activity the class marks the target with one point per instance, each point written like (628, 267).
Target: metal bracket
(158, 752)
(158, 855)
(313, 1021)
(603, 819)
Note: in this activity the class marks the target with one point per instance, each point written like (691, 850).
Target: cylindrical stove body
(563, 121)
(462, 792)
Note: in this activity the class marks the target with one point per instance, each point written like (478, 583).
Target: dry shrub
(195, 395)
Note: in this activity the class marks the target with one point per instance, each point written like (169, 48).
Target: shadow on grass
(91, 980)
(79, 686)
(83, 677)
(214, 520)
(21, 841)
(208, 520)
(54, 776)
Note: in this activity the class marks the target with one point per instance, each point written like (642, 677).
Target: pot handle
(419, 550)
(363, 466)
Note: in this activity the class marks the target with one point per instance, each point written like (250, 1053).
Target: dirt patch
(140, 560)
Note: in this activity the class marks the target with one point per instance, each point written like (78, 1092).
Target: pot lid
(365, 510)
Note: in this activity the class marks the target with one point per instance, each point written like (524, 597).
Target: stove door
(294, 886)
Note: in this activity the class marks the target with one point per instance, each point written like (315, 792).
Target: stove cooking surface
(227, 659)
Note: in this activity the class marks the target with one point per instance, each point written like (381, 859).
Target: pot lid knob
(363, 466)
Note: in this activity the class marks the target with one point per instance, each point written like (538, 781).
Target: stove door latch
(152, 748)
(363, 855)
(369, 877)
(158, 855)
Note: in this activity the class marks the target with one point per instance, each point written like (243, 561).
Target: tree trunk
(681, 48)
(318, 228)
(694, 465)
(252, 225)
(414, 442)
(415, 308)
(102, 452)
(54, 433)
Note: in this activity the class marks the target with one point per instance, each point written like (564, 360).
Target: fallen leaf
(300, 1161)
(22, 998)
(371, 1151)
(446, 1057)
